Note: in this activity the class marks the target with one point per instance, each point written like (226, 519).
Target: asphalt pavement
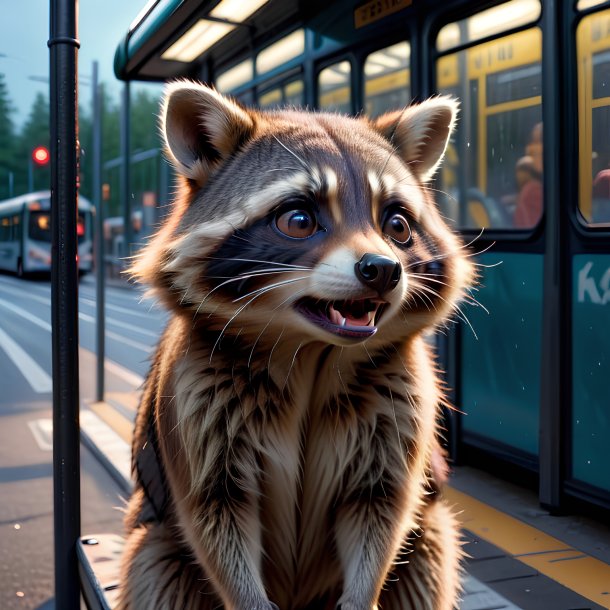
(26, 487)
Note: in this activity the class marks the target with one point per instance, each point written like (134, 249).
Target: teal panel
(500, 370)
(591, 369)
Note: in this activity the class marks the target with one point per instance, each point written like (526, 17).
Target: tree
(35, 132)
(8, 165)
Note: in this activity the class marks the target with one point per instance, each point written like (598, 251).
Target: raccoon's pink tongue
(347, 318)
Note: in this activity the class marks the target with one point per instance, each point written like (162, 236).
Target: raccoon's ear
(201, 128)
(421, 133)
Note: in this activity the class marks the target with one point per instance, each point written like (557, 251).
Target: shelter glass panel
(387, 79)
(334, 88)
(593, 40)
(492, 174)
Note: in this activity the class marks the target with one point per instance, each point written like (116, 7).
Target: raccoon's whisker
(250, 274)
(273, 349)
(291, 152)
(395, 419)
(428, 277)
(417, 292)
(255, 260)
(474, 239)
(239, 278)
(419, 263)
(369, 355)
(282, 169)
(470, 254)
(270, 287)
(292, 365)
(269, 322)
(259, 293)
(488, 266)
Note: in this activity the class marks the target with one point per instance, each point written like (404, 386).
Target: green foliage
(16, 147)
(7, 141)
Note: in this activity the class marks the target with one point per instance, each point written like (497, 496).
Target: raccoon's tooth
(342, 321)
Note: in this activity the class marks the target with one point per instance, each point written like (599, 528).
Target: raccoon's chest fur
(314, 431)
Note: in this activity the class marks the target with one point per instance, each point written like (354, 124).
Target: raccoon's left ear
(420, 133)
(201, 128)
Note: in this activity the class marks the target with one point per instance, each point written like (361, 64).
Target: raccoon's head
(319, 226)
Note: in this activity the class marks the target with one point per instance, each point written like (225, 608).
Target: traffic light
(40, 155)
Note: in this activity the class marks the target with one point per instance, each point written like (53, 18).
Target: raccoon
(286, 437)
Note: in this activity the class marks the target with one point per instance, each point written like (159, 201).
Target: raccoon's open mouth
(357, 319)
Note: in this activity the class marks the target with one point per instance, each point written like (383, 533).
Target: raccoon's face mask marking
(313, 224)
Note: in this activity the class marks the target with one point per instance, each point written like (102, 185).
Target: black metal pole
(100, 267)
(125, 171)
(63, 45)
(556, 285)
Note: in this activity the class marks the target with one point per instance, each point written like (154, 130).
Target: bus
(526, 181)
(25, 234)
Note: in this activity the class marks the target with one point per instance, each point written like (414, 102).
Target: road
(26, 500)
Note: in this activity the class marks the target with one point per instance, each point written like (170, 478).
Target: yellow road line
(120, 424)
(570, 567)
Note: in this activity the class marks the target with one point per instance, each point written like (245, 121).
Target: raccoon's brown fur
(297, 442)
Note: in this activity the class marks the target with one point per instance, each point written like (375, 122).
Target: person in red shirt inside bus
(529, 202)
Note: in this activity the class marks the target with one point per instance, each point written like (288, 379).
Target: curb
(116, 457)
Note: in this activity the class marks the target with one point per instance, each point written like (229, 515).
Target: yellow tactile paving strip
(570, 567)
(118, 422)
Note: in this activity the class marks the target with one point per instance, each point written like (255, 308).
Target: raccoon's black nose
(379, 272)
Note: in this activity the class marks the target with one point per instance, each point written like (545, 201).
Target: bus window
(593, 39)
(387, 79)
(334, 88)
(288, 94)
(492, 176)
(271, 99)
(40, 226)
(293, 93)
(5, 229)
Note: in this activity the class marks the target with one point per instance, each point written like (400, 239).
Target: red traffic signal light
(41, 155)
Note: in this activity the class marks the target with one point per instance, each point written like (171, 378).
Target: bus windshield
(40, 226)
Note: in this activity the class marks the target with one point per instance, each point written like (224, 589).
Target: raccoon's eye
(298, 224)
(396, 226)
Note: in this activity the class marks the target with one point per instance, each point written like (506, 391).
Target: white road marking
(114, 322)
(86, 318)
(42, 429)
(111, 366)
(36, 376)
(125, 374)
(118, 308)
(26, 315)
(28, 295)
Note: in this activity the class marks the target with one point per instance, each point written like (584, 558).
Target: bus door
(588, 474)
(491, 187)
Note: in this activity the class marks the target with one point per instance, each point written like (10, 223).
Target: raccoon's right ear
(201, 128)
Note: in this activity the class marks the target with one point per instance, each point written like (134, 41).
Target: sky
(24, 55)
